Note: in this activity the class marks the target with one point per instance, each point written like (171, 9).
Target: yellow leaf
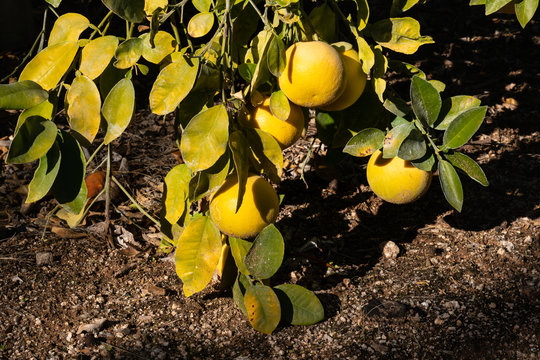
(68, 27)
(263, 308)
(151, 5)
(83, 107)
(164, 45)
(97, 54)
(200, 24)
(128, 53)
(118, 109)
(49, 65)
(400, 34)
(177, 183)
(197, 254)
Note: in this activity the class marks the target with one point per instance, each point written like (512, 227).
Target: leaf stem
(139, 207)
(107, 192)
(95, 153)
(105, 18)
(47, 218)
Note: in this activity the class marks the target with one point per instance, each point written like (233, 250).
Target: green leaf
(299, 306)
(454, 106)
(239, 290)
(463, 127)
(246, 71)
(399, 121)
(399, 6)
(50, 64)
(365, 54)
(451, 185)
(239, 149)
(494, 5)
(68, 27)
(69, 187)
(197, 254)
(327, 126)
(413, 147)
(44, 175)
(33, 140)
(275, 57)
(394, 139)
(439, 85)
(44, 110)
(54, 3)
(266, 254)
(280, 105)
(396, 106)
(399, 34)
(267, 154)
(323, 20)
(406, 68)
(83, 104)
(200, 24)
(263, 309)
(73, 220)
(97, 54)
(205, 138)
(365, 143)
(21, 95)
(130, 10)
(202, 5)
(362, 14)
(239, 250)
(477, 2)
(525, 10)
(426, 162)
(426, 101)
(164, 44)
(118, 109)
(172, 85)
(469, 167)
(176, 192)
(208, 181)
(128, 53)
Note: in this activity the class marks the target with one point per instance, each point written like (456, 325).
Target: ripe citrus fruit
(285, 132)
(259, 208)
(396, 180)
(355, 82)
(313, 75)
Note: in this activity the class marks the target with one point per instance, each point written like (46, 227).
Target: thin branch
(139, 207)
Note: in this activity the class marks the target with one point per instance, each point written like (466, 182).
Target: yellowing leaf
(197, 254)
(44, 109)
(205, 138)
(118, 109)
(177, 185)
(68, 27)
(399, 34)
(263, 309)
(97, 54)
(128, 53)
(164, 45)
(83, 107)
(200, 24)
(172, 85)
(49, 65)
(152, 5)
(21, 95)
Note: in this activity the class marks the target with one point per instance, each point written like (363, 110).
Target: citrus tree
(239, 77)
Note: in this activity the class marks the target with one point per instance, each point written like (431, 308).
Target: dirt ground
(463, 285)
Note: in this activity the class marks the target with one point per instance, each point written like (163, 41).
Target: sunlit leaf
(208, 181)
(362, 14)
(177, 188)
(365, 143)
(525, 10)
(395, 138)
(463, 127)
(197, 254)
(366, 55)
(451, 185)
(200, 24)
(263, 309)
(494, 5)
(266, 254)
(68, 27)
(399, 34)
(454, 106)
(50, 64)
(202, 5)
(275, 56)
(21, 95)
(299, 306)
(280, 105)
(128, 53)
(205, 138)
(118, 109)
(130, 10)
(396, 106)
(44, 175)
(152, 5)
(267, 153)
(261, 73)
(33, 140)
(84, 107)
(44, 109)
(406, 68)
(426, 101)
(69, 187)
(399, 6)
(239, 249)
(97, 54)
(54, 3)
(468, 166)
(172, 85)
(164, 44)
